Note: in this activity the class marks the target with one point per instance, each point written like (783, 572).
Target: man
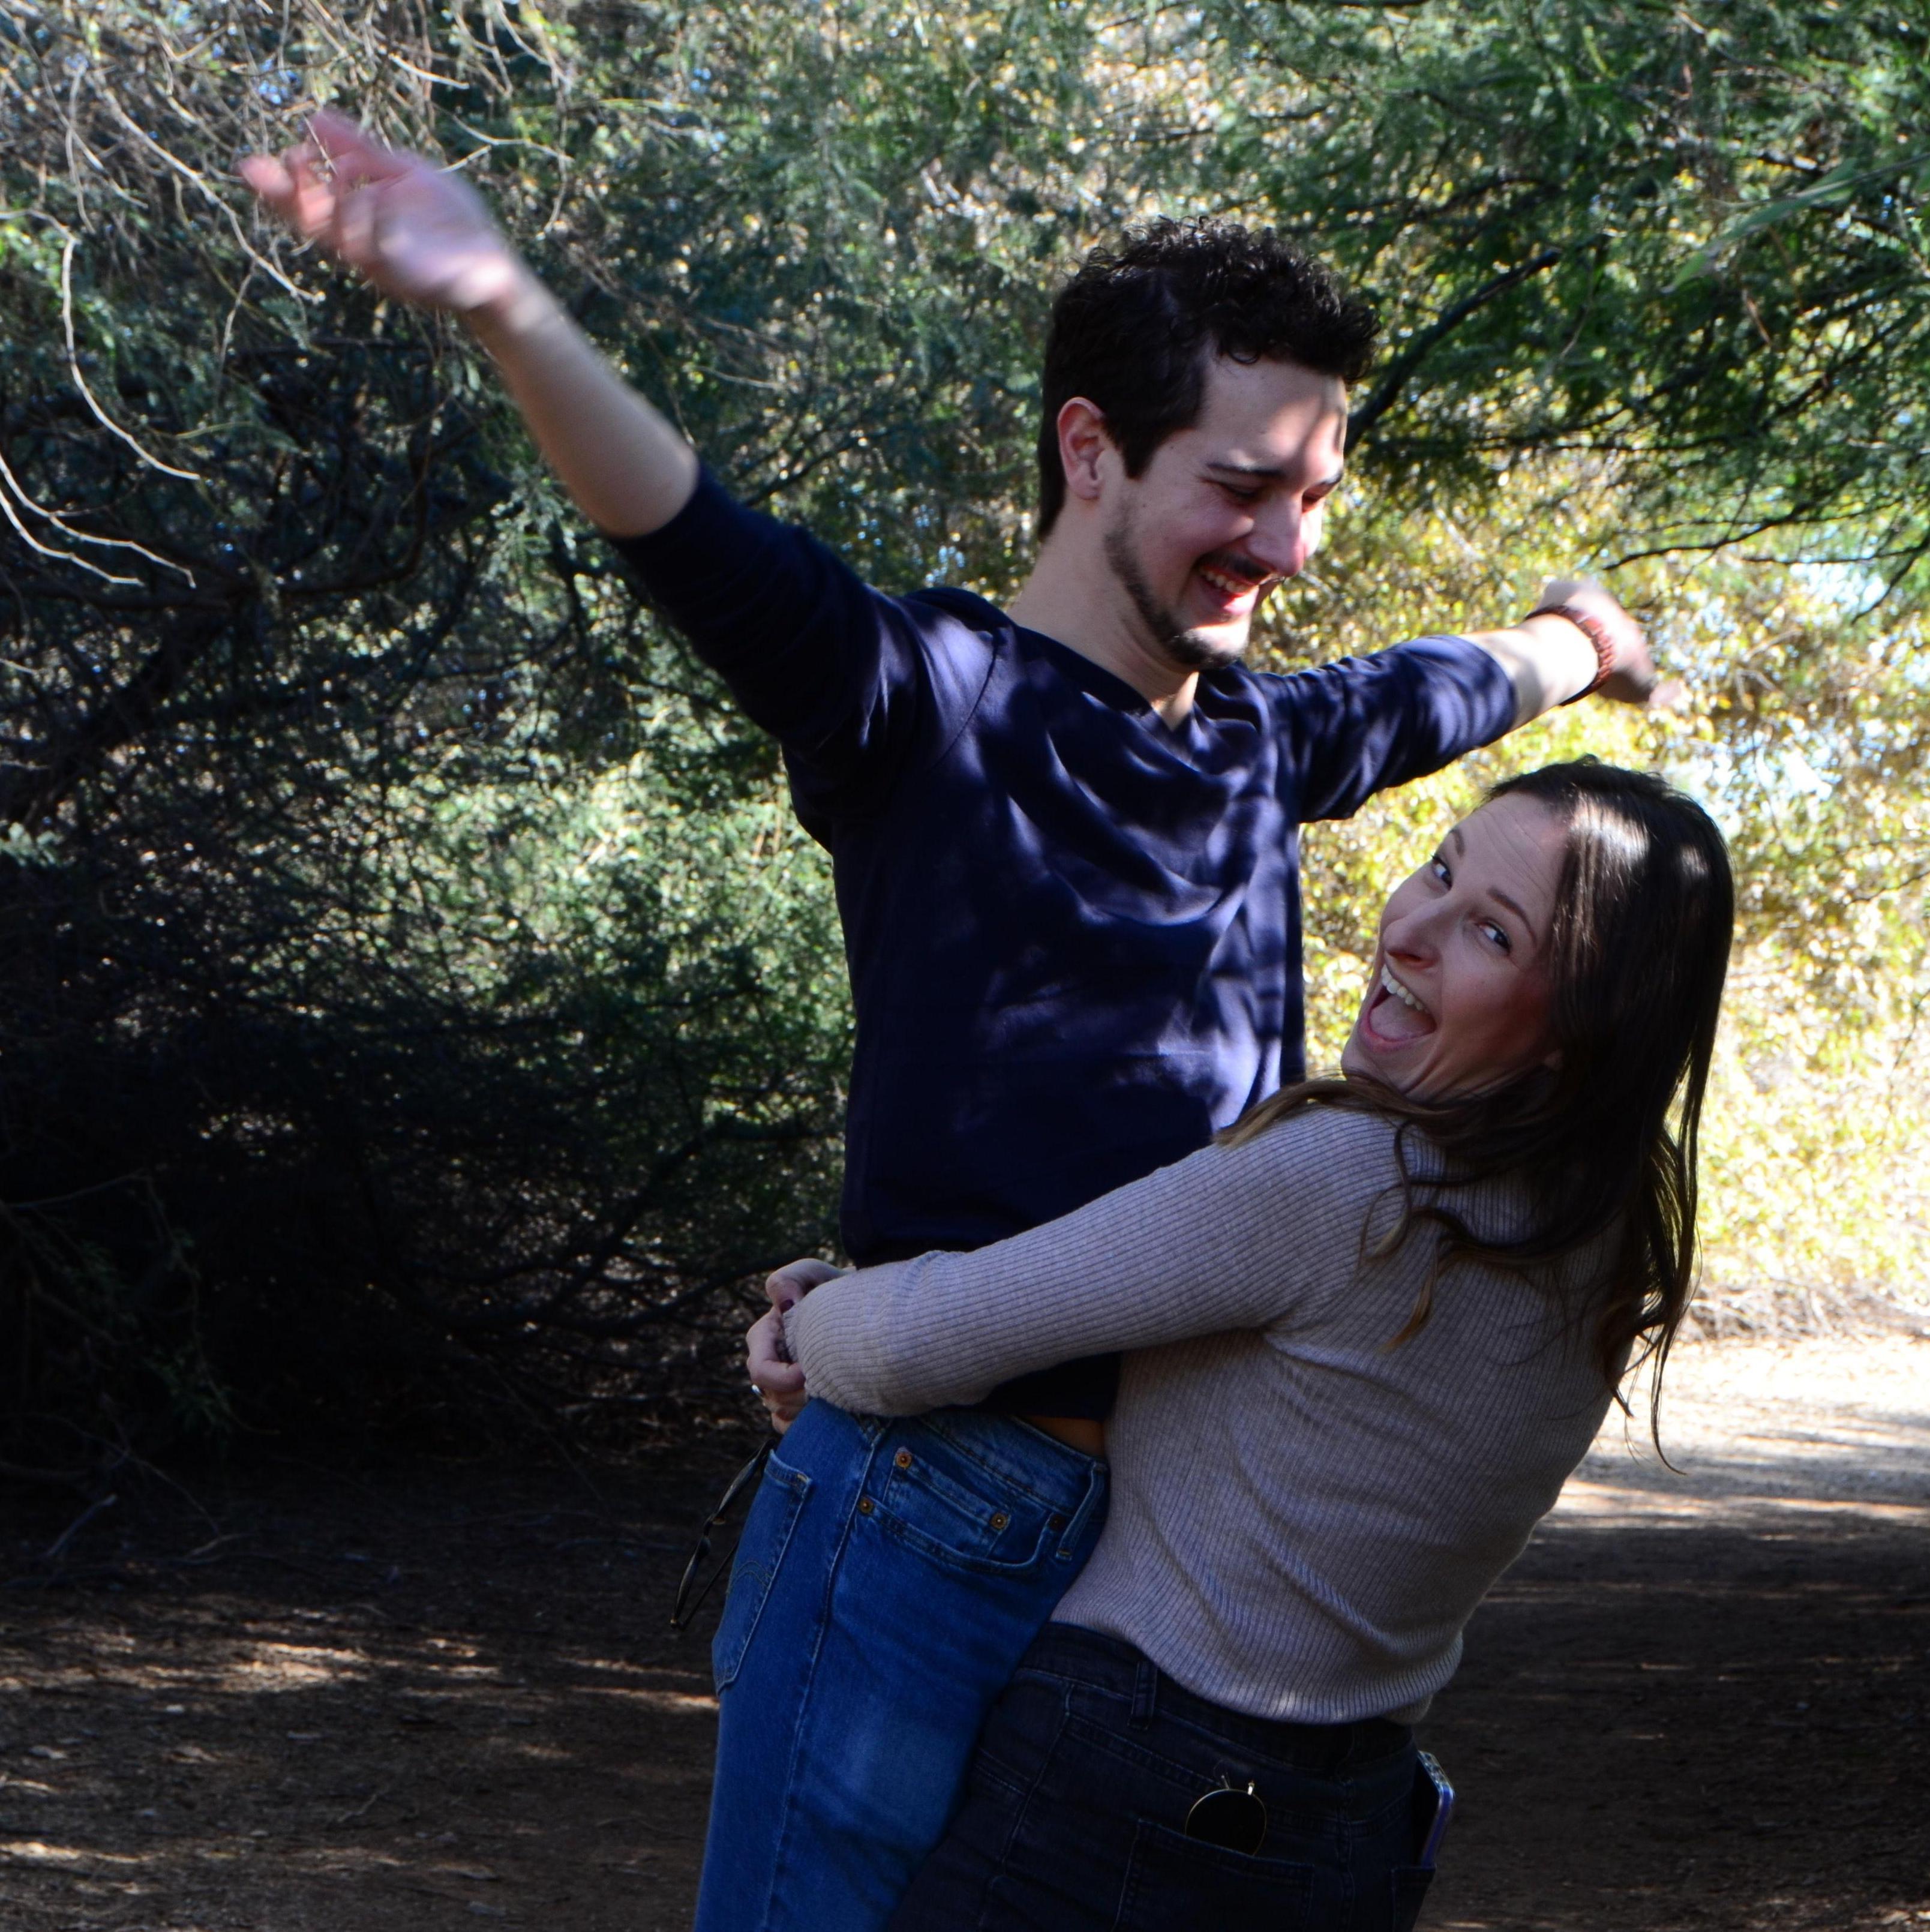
(1064, 844)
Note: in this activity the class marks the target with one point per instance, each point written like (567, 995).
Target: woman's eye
(1498, 935)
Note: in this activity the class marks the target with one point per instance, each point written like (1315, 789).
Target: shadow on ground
(324, 1706)
(1677, 1724)
(306, 1704)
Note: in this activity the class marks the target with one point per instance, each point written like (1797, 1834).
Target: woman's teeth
(1388, 984)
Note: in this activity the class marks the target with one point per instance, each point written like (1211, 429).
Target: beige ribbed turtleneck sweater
(1303, 1518)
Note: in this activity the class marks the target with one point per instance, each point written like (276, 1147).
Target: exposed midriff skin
(1076, 1431)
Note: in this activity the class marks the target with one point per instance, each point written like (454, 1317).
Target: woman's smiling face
(1460, 999)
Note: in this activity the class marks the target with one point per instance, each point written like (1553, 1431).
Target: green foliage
(1806, 733)
(411, 966)
(1692, 248)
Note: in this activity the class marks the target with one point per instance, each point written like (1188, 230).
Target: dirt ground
(307, 1701)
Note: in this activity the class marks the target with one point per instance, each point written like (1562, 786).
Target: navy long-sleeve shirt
(1073, 931)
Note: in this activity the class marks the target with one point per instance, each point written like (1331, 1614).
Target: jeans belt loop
(1145, 1692)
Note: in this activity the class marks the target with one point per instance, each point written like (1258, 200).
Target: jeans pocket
(1411, 1884)
(767, 1530)
(944, 1503)
(1174, 1883)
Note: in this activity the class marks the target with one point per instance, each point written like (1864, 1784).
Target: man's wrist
(1600, 638)
(523, 307)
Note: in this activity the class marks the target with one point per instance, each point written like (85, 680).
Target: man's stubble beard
(1187, 650)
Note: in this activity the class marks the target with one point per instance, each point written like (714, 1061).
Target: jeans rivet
(903, 1459)
(1000, 1521)
(864, 1505)
(1058, 1524)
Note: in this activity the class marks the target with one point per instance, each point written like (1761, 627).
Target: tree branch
(1361, 423)
(118, 718)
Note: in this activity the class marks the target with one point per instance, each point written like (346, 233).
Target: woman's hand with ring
(775, 1378)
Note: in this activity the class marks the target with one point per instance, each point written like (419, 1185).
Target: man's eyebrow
(1270, 472)
(1460, 843)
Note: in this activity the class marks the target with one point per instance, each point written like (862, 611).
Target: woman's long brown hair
(1605, 1144)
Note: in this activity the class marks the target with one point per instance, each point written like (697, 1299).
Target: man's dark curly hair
(1134, 329)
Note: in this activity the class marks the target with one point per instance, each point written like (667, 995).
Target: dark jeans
(1073, 1816)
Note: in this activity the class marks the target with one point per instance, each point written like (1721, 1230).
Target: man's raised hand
(1632, 677)
(418, 232)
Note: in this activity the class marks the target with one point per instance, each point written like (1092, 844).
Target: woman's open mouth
(1395, 1013)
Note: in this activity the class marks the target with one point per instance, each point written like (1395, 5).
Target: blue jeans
(1074, 1817)
(890, 1578)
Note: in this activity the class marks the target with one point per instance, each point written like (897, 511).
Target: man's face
(1227, 509)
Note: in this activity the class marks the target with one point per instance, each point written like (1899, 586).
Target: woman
(1383, 1320)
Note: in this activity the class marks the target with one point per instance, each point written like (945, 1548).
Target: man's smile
(1234, 581)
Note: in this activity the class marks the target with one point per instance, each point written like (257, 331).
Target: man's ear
(1084, 445)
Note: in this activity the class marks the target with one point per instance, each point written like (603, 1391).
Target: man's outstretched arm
(424, 236)
(1365, 724)
(837, 673)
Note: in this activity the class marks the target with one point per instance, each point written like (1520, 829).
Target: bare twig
(362, 1810)
(53, 1552)
(34, 543)
(87, 395)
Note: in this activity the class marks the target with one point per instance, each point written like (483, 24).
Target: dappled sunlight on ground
(1700, 1703)
(1837, 1423)
(487, 1726)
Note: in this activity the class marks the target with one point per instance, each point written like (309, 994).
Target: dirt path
(1700, 1700)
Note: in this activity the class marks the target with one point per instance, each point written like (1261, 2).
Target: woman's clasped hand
(775, 1378)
